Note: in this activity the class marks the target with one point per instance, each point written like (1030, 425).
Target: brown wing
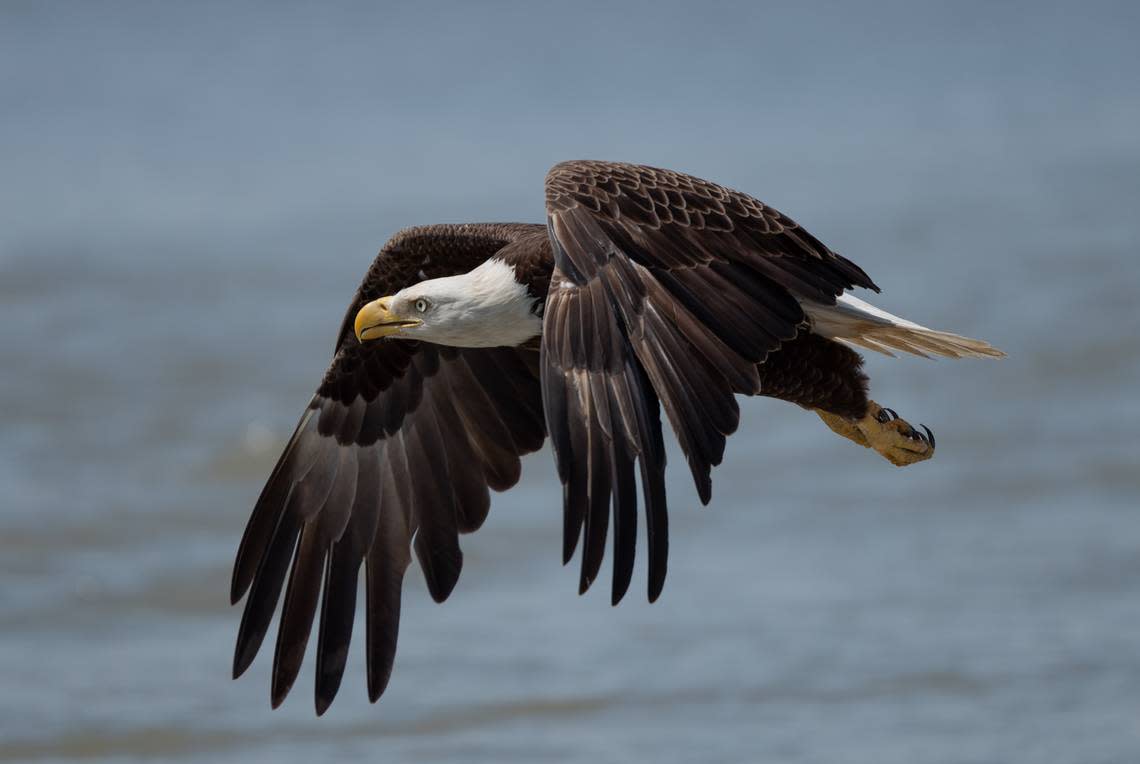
(402, 439)
(666, 289)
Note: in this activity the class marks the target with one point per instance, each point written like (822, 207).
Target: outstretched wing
(401, 440)
(667, 290)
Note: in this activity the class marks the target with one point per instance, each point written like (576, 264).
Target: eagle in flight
(465, 346)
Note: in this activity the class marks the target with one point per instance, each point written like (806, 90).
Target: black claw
(883, 416)
(892, 413)
(929, 435)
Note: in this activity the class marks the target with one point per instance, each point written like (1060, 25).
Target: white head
(484, 308)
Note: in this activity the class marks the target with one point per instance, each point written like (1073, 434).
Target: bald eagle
(466, 345)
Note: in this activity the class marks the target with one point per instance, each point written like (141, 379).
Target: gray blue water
(189, 194)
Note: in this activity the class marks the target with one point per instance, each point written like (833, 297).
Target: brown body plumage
(656, 291)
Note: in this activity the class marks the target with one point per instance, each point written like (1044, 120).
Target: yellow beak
(376, 320)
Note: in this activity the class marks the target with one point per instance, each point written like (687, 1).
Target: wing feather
(397, 450)
(668, 292)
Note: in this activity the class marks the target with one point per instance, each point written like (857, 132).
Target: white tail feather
(860, 323)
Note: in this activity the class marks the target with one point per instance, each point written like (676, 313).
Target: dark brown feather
(401, 441)
(818, 373)
(673, 289)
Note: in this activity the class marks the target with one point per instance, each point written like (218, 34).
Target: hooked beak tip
(370, 317)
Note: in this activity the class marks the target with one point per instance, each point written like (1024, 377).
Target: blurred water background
(189, 194)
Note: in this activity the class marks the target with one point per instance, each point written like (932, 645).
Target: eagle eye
(421, 305)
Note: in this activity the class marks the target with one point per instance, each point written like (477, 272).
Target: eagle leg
(844, 426)
(883, 430)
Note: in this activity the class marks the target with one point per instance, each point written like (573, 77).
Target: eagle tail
(859, 323)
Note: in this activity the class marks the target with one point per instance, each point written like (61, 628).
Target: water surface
(190, 196)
